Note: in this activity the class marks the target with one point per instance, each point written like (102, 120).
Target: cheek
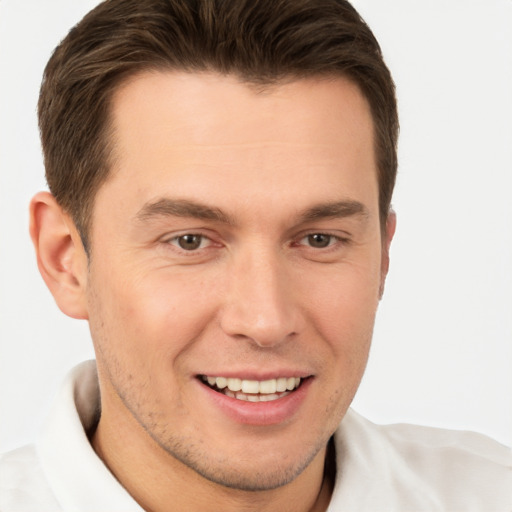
(342, 309)
(346, 296)
(149, 316)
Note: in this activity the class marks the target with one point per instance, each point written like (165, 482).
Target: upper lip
(257, 375)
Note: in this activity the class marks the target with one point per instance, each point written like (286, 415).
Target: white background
(442, 351)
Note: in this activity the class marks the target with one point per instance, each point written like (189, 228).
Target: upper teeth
(255, 386)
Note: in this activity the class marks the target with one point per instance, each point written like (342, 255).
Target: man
(221, 179)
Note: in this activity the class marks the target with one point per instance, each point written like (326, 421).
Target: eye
(190, 242)
(319, 240)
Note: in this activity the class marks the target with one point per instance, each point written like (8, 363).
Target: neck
(154, 478)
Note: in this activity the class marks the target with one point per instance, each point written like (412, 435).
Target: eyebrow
(182, 208)
(167, 207)
(337, 209)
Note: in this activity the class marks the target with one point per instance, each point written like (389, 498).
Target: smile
(253, 390)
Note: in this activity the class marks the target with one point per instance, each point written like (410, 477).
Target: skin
(259, 295)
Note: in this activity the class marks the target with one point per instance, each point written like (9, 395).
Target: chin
(244, 472)
(250, 478)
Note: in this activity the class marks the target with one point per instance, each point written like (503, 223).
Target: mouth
(253, 390)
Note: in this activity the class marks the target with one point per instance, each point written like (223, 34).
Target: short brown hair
(260, 41)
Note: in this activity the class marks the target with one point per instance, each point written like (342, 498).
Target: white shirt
(394, 468)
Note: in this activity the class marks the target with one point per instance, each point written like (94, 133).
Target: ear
(61, 258)
(387, 237)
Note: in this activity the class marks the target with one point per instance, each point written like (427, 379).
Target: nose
(260, 303)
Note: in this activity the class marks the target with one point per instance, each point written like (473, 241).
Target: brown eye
(319, 240)
(190, 242)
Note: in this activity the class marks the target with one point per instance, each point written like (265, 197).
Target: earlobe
(61, 257)
(387, 238)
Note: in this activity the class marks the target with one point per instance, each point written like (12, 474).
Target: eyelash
(176, 239)
(333, 242)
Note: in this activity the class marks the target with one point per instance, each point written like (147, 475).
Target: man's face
(237, 238)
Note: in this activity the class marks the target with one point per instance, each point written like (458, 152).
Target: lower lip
(260, 413)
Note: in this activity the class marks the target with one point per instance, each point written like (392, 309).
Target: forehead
(196, 105)
(186, 134)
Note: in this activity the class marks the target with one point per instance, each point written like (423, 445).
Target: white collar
(67, 456)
